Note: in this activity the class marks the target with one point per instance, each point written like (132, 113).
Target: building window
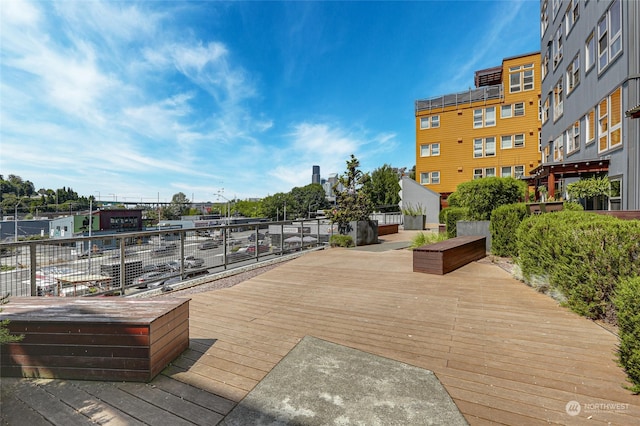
(486, 117)
(557, 47)
(505, 171)
(589, 127)
(490, 116)
(477, 173)
(489, 147)
(505, 111)
(518, 172)
(615, 194)
(490, 172)
(484, 147)
(589, 52)
(424, 178)
(573, 137)
(521, 78)
(558, 100)
(545, 110)
(544, 17)
(435, 178)
(429, 178)
(506, 142)
(545, 63)
(610, 121)
(478, 148)
(571, 15)
(477, 118)
(558, 148)
(518, 109)
(429, 122)
(429, 150)
(610, 35)
(518, 140)
(573, 74)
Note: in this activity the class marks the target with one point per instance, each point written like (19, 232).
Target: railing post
(123, 272)
(32, 269)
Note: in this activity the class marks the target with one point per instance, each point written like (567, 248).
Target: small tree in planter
(352, 202)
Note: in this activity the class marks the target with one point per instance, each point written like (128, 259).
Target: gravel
(222, 282)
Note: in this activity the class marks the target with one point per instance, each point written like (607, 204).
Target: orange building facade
(492, 130)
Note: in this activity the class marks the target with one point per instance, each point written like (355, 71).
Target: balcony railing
(127, 263)
(482, 94)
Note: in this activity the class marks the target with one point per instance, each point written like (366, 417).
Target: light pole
(310, 205)
(219, 194)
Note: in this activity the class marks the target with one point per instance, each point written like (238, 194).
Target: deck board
(506, 354)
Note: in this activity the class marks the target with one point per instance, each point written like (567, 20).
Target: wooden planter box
(445, 256)
(94, 338)
(387, 229)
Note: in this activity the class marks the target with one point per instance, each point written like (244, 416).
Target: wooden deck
(506, 354)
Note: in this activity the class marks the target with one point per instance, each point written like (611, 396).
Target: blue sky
(136, 100)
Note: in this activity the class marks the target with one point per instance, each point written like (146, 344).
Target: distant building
(492, 130)
(315, 176)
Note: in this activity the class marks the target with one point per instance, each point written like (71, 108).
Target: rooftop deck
(505, 354)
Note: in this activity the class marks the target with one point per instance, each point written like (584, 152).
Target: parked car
(261, 249)
(209, 244)
(150, 279)
(163, 250)
(193, 262)
(252, 236)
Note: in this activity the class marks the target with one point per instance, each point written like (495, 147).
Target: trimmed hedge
(627, 302)
(504, 224)
(338, 240)
(450, 216)
(482, 196)
(581, 254)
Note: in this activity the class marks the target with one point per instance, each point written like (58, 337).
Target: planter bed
(445, 256)
(94, 338)
(387, 229)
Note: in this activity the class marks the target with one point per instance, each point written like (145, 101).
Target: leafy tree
(353, 203)
(179, 204)
(248, 208)
(589, 188)
(383, 188)
(307, 198)
(273, 206)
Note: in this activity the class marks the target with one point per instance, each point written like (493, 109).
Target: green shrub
(627, 303)
(453, 215)
(481, 196)
(572, 206)
(505, 221)
(421, 239)
(338, 240)
(582, 254)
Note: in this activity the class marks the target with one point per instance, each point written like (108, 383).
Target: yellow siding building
(492, 130)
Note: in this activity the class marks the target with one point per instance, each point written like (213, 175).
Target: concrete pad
(322, 383)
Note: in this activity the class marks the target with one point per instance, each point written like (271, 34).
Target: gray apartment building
(590, 71)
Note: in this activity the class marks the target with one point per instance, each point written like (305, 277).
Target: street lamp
(312, 205)
(219, 195)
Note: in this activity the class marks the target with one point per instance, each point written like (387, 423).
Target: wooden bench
(111, 338)
(445, 256)
(391, 228)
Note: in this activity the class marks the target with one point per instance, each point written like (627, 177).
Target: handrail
(470, 96)
(123, 256)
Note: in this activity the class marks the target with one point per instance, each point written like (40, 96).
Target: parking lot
(149, 260)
